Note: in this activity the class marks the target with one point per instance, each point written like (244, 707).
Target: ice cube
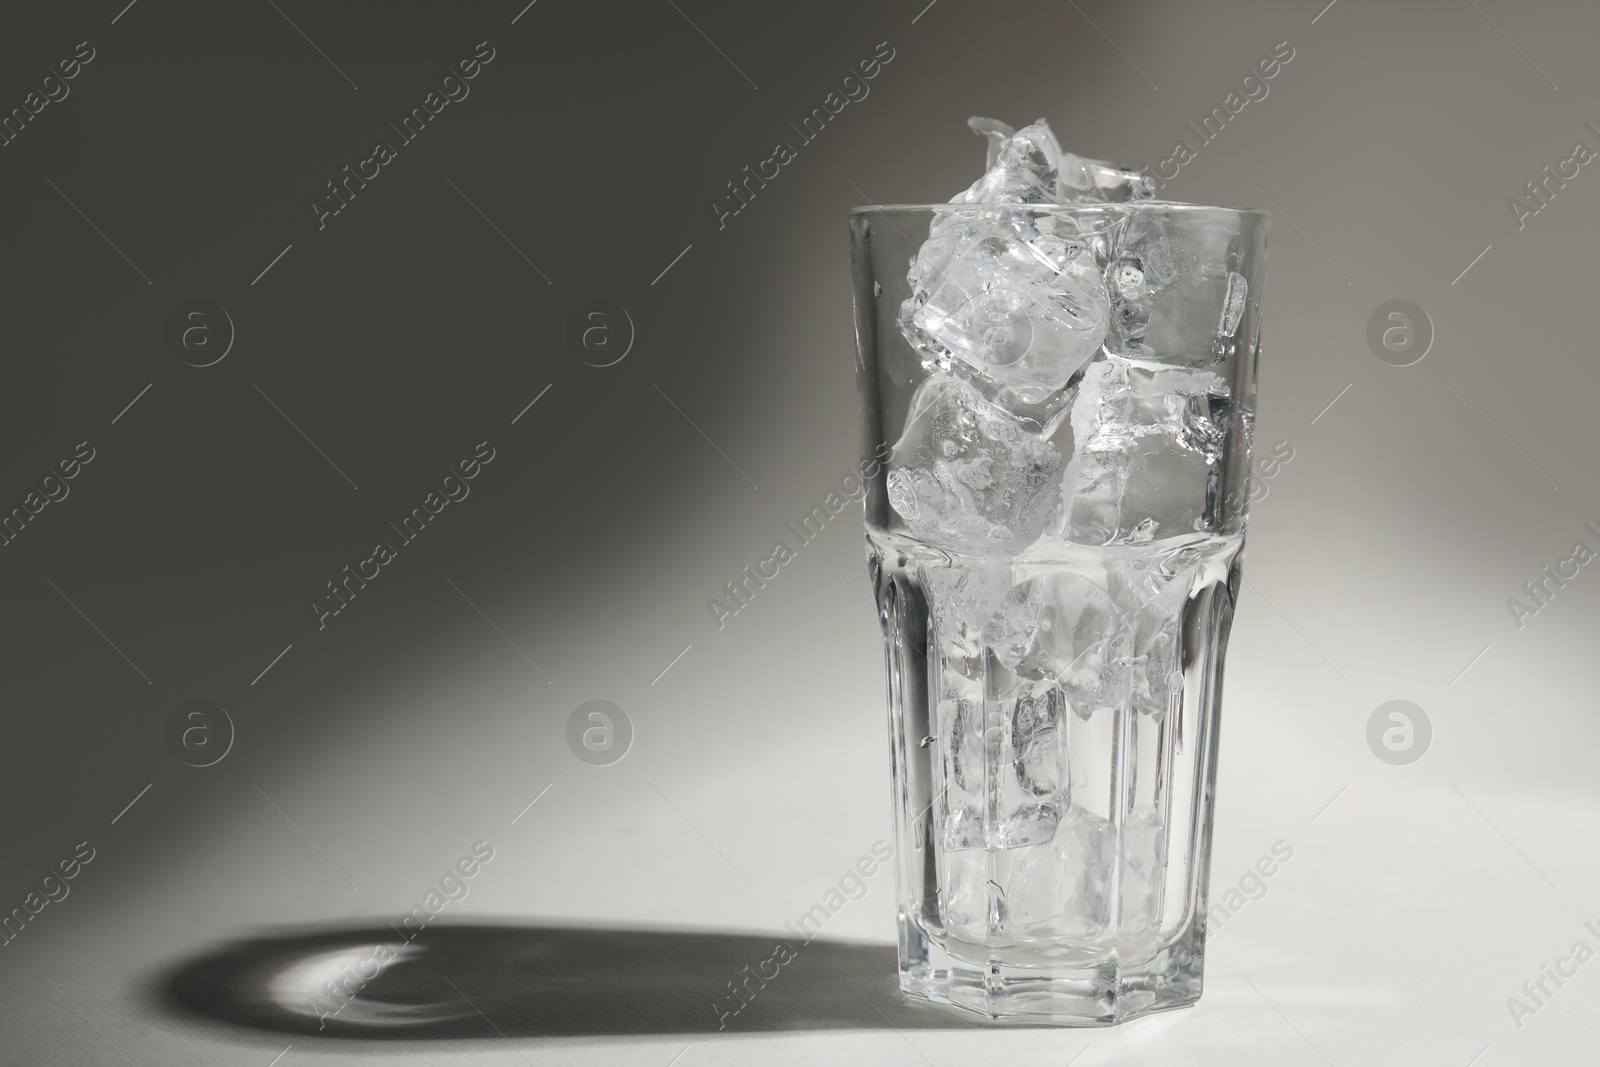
(1147, 444)
(963, 829)
(1153, 602)
(1059, 886)
(1065, 886)
(1001, 299)
(1176, 294)
(1025, 168)
(1081, 642)
(981, 610)
(962, 603)
(996, 131)
(1028, 824)
(1143, 868)
(1016, 299)
(965, 892)
(1038, 741)
(961, 731)
(1033, 901)
(1233, 305)
(1011, 627)
(1029, 166)
(1062, 889)
(1096, 179)
(967, 475)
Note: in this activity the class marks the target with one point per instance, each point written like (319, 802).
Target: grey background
(430, 712)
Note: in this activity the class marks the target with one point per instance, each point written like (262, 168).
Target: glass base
(1099, 992)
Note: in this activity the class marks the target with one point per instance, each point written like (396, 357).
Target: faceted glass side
(1052, 796)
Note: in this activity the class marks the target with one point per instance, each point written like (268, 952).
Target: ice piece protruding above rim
(1029, 166)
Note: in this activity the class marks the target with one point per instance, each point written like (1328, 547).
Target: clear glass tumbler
(1055, 563)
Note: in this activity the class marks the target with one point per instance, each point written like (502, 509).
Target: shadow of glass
(492, 981)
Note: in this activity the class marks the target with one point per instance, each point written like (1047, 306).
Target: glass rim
(1176, 207)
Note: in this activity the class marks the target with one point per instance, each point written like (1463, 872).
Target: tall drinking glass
(1055, 553)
